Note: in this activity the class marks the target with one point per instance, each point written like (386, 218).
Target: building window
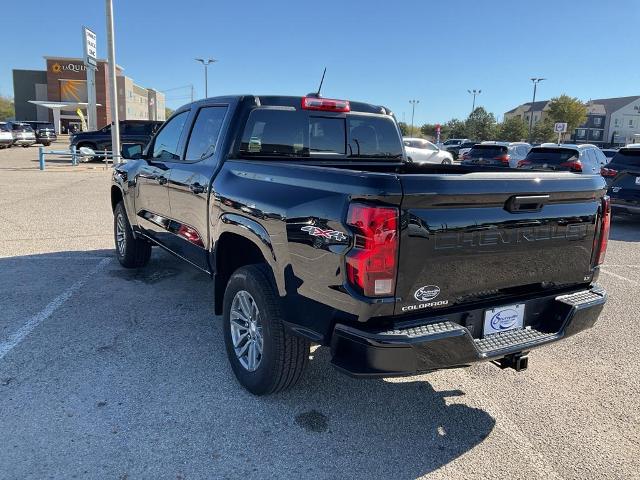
(597, 121)
(596, 134)
(581, 132)
(616, 122)
(631, 122)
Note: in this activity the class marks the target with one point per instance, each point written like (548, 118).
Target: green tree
(513, 129)
(543, 131)
(167, 112)
(7, 108)
(567, 109)
(404, 129)
(481, 125)
(454, 129)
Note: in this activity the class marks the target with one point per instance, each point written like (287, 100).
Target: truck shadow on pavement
(130, 375)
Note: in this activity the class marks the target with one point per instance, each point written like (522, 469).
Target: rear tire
(446, 161)
(132, 252)
(252, 312)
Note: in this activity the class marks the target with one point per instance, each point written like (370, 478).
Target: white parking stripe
(620, 277)
(18, 336)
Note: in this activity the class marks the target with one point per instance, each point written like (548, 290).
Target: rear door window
(205, 133)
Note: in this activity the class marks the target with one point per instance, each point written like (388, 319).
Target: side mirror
(131, 151)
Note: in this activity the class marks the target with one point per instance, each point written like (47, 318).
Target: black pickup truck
(315, 229)
(131, 131)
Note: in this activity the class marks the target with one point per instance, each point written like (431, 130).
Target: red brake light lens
(372, 263)
(522, 163)
(503, 158)
(325, 104)
(608, 172)
(574, 166)
(605, 226)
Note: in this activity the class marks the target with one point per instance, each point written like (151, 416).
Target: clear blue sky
(383, 52)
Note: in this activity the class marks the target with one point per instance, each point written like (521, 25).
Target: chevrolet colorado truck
(315, 229)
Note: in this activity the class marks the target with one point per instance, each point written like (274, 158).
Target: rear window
(552, 156)
(296, 133)
(22, 127)
(4, 127)
(487, 150)
(629, 157)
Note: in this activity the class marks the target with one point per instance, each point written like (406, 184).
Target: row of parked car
(25, 134)
(620, 168)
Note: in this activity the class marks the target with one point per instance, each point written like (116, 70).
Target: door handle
(196, 188)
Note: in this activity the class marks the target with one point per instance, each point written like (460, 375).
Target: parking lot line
(18, 336)
(620, 277)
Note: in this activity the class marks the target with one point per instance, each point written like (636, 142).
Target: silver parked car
(420, 150)
(586, 159)
(23, 134)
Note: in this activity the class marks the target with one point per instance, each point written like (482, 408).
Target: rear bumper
(24, 141)
(445, 344)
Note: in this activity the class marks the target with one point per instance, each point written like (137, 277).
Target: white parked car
(420, 150)
(585, 158)
(6, 137)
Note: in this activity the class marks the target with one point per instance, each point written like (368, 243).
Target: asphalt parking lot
(107, 373)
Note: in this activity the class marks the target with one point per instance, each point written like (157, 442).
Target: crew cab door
(152, 197)
(189, 185)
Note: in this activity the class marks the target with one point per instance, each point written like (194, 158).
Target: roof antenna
(317, 94)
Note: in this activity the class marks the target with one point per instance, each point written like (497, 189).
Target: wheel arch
(241, 241)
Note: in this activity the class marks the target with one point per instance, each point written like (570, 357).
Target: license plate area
(637, 180)
(503, 319)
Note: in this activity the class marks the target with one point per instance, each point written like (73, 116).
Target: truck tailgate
(488, 234)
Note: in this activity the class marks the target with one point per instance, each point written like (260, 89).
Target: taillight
(503, 158)
(372, 262)
(608, 172)
(574, 166)
(605, 226)
(326, 104)
(522, 163)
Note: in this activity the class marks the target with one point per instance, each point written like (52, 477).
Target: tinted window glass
(552, 155)
(609, 153)
(204, 135)
(627, 157)
(373, 137)
(165, 146)
(487, 151)
(288, 133)
(4, 127)
(137, 128)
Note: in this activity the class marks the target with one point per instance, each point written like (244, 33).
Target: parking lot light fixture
(475, 93)
(535, 81)
(413, 103)
(206, 62)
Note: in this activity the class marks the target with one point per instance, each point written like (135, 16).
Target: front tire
(265, 357)
(132, 252)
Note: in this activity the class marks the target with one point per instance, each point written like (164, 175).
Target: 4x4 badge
(319, 232)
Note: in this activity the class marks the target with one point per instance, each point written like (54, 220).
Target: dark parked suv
(45, 132)
(623, 177)
(131, 131)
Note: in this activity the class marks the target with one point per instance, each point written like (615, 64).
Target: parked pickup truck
(315, 229)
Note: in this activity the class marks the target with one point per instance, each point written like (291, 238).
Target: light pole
(475, 93)
(206, 63)
(413, 111)
(111, 50)
(535, 81)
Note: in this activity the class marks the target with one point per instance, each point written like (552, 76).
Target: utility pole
(111, 49)
(206, 63)
(535, 81)
(474, 92)
(413, 111)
